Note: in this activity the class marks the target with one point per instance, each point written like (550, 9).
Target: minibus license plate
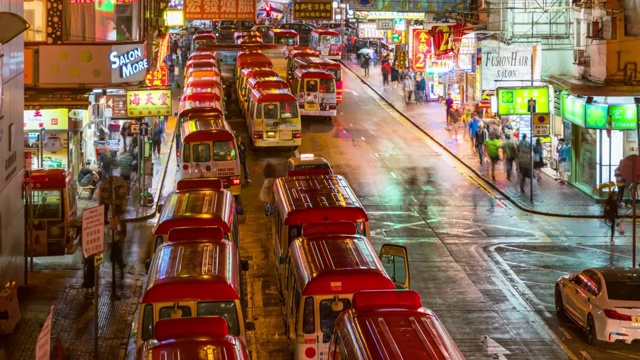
(286, 135)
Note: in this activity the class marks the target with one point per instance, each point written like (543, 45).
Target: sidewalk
(549, 197)
(58, 281)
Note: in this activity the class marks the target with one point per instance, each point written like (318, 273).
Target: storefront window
(586, 167)
(100, 21)
(35, 12)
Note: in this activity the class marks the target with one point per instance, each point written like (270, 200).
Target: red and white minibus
(316, 92)
(321, 274)
(327, 42)
(273, 119)
(204, 81)
(298, 53)
(193, 338)
(384, 324)
(284, 37)
(209, 149)
(248, 73)
(200, 63)
(201, 72)
(238, 36)
(261, 82)
(332, 67)
(197, 209)
(314, 199)
(197, 278)
(203, 40)
(252, 60)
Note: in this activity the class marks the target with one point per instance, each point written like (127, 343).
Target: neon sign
(127, 62)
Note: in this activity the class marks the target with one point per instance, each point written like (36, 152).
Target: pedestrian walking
(481, 135)
(366, 63)
(395, 76)
(270, 173)
(524, 162)
(386, 71)
(105, 160)
(125, 164)
(421, 87)
(538, 163)
(449, 104)
(456, 120)
(242, 153)
(117, 253)
(493, 145)
(621, 184)
(563, 154)
(407, 88)
(510, 150)
(157, 133)
(473, 127)
(611, 212)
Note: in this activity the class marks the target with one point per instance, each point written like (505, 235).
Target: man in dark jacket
(242, 154)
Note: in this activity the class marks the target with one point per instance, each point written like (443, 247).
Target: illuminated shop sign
(128, 62)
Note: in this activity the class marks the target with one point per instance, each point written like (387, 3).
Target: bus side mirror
(283, 259)
(244, 265)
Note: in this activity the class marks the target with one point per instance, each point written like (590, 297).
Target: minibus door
(311, 100)
(396, 262)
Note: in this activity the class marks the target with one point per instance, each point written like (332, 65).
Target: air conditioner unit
(580, 57)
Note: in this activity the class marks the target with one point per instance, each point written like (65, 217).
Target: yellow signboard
(148, 103)
(49, 119)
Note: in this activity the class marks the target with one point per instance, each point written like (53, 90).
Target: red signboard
(220, 9)
(157, 77)
(421, 49)
(446, 38)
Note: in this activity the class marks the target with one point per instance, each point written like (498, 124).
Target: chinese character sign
(220, 9)
(308, 10)
(446, 39)
(157, 77)
(148, 103)
(43, 344)
(421, 49)
(93, 230)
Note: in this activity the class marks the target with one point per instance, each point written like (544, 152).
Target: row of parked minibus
(341, 299)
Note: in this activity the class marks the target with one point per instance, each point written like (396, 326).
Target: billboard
(509, 65)
(148, 103)
(421, 49)
(220, 10)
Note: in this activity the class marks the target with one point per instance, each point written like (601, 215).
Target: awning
(56, 98)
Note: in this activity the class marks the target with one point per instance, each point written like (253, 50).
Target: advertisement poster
(49, 119)
(312, 10)
(148, 103)
(55, 151)
(509, 65)
(220, 9)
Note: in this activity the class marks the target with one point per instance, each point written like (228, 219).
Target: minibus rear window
(308, 325)
(226, 309)
(328, 316)
(167, 311)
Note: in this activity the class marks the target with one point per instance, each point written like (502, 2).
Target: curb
(473, 170)
(160, 188)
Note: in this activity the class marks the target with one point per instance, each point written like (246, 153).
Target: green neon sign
(623, 117)
(573, 110)
(596, 116)
(515, 101)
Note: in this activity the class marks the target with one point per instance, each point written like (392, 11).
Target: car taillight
(297, 134)
(310, 352)
(235, 181)
(185, 167)
(257, 135)
(612, 314)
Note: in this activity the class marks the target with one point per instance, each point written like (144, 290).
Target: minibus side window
(147, 322)
(296, 303)
(294, 232)
(258, 111)
(234, 229)
(308, 323)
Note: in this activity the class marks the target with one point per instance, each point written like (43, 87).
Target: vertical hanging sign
(421, 49)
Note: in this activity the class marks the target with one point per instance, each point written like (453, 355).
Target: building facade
(11, 153)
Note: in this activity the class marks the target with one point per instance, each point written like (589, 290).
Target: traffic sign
(144, 129)
(541, 130)
(532, 105)
(43, 344)
(93, 230)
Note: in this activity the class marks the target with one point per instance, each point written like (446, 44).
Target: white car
(604, 301)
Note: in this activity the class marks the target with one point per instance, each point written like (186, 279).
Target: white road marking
(350, 124)
(362, 137)
(565, 333)
(493, 348)
(393, 174)
(376, 154)
(351, 91)
(585, 355)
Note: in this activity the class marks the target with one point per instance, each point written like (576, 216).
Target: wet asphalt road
(486, 268)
